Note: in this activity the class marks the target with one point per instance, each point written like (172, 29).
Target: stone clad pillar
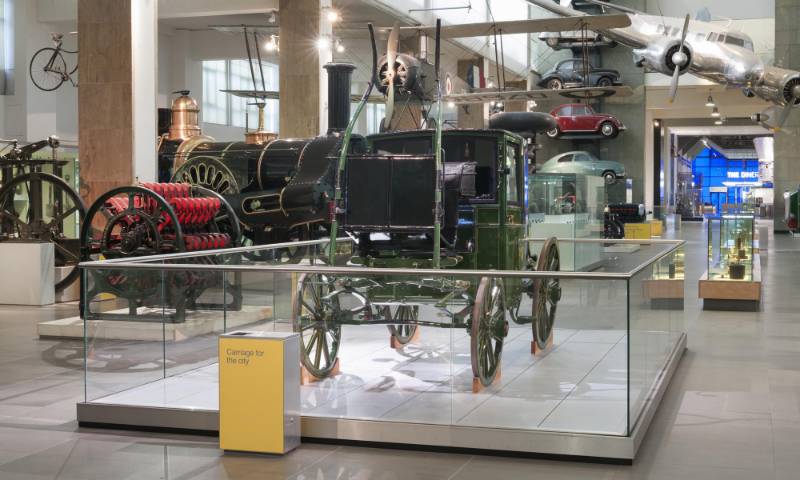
(116, 94)
(787, 142)
(299, 75)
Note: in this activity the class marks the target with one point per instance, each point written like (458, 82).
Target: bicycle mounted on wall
(48, 68)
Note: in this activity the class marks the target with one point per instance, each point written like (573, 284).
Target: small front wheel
(48, 69)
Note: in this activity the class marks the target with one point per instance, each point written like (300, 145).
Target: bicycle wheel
(48, 69)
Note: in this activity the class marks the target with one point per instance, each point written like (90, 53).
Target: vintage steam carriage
(427, 199)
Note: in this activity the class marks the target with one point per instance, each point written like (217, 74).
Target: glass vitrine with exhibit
(731, 242)
(570, 208)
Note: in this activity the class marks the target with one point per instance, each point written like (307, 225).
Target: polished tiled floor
(733, 409)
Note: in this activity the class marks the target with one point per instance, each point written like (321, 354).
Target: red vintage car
(577, 118)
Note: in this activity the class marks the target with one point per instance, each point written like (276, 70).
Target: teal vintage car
(583, 163)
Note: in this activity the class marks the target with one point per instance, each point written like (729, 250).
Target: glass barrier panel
(123, 319)
(656, 323)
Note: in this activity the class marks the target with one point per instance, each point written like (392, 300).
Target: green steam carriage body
(429, 199)
(387, 203)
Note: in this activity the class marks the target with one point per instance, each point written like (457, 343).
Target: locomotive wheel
(57, 204)
(546, 293)
(488, 330)
(405, 317)
(208, 172)
(314, 316)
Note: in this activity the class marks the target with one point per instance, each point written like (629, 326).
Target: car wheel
(553, 133)
(609, 177)
(608, 130)
(604, 82)
(555, 84)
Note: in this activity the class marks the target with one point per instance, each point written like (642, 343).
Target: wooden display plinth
(664, 293)
(732, 294)
(396, 344)
(538, 352)
(307, 377)
(478, 387)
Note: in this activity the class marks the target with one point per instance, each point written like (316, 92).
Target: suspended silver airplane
(675, 46)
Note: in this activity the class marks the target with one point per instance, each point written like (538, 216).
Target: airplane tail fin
(703, 15)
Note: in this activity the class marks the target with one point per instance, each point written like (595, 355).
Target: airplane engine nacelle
(779, 85)
(412, 76)
(661, 56)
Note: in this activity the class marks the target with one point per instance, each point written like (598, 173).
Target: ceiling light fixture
(715, 112)
(333, 16)
(710, 102)
(324, 43)
(451, 104)
(339, 46)
(272, 44)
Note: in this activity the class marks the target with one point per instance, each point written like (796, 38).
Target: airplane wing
(624, 35)
(273, 95)
(536, 25)
(486, 96)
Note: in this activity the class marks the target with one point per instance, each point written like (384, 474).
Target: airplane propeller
(391, 56)
(679, 59)
(794, 92)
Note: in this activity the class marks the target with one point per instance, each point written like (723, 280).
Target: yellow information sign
(638, 231)
(259, 392)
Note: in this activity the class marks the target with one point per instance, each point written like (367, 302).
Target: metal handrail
(208, 253)
(366, 271)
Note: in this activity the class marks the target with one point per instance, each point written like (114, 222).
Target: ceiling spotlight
(333, 16)
(656, 123)
(339, 46)
(324, 43)
(490, 84)
(272, 44)
(715, 112)
(710, 102)
(451, 104)
(718, 122)
(272, 17)
(499, 104)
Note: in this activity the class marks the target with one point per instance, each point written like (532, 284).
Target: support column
(787, 143)
(116, 99)
(300, 70)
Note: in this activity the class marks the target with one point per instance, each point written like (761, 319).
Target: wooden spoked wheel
(405, 319)
(488, 330)
(546, 293)
(315, 317)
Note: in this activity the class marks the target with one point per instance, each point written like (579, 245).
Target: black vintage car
(570, 73)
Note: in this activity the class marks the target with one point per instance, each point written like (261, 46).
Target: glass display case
(570, 208)
(731, 241)
(590, 392)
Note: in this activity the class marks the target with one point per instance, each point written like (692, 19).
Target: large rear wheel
(488, 330)
(314, 317)
(546, 293)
